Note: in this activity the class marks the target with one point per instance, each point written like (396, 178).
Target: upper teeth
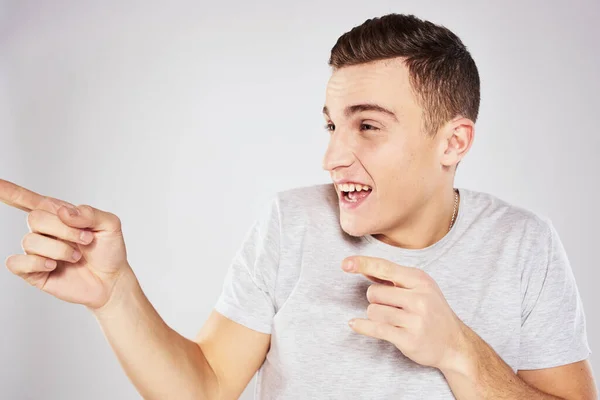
(351, 187)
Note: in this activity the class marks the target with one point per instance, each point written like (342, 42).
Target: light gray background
(184, 117)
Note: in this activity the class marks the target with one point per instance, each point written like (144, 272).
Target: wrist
(124, 287)
(462, 357)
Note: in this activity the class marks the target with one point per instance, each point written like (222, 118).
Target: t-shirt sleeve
(247, 295)
(553, 325)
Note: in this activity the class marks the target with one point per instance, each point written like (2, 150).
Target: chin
(356, 227)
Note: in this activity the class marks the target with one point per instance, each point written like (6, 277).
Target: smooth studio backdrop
(183, 118)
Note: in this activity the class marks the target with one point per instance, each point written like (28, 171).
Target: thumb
(87, 217)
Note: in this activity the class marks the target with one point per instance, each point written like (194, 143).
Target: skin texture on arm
(162, 364)
(572, 381)
(159, 362)
(484, 375)
(234, 351)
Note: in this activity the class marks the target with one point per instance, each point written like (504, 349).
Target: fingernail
(76, 255)
(73, 212)
(348, 265)
(86, 236)
(50, 264)
(351, 323)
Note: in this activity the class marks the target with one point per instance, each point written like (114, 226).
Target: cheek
(396, 166)
(399, 176)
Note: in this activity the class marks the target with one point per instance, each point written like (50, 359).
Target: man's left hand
(408, 309)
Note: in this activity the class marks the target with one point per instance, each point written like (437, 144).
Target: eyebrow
(350, 110)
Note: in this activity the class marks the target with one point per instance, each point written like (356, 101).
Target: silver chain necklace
(455, 209)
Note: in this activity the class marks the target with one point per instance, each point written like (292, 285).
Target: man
(466, 295)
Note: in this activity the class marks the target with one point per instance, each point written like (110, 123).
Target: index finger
(19, 197)
(399, 275)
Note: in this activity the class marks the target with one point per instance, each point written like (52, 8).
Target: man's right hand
(219, 363)
(75, 253)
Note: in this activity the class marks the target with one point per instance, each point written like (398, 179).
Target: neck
(426, 225)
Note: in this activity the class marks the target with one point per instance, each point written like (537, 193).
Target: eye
(367, 127)
(329, 127)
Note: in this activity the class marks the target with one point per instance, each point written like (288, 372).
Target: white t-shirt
(502, 269)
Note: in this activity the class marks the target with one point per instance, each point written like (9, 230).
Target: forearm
(160, 363)
(482, 374)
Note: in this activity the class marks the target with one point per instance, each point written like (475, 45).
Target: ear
(456, 138)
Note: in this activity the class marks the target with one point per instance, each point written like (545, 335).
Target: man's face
(377, 140)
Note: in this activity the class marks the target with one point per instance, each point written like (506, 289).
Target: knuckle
(396, 317)
(418, 324)
(52, 203)
(380, 267)
(385, 270)
(33, 219)
(421, 275)
(372, 311)
(116, 221)
(428, 283)
(378, 330)
(35, 282)
(424, 278)
(371, 293)
(86, 209)
(16, 196)
(27, 241)
(421, 304)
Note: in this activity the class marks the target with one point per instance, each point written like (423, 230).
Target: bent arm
(482, 374)
(160, 363)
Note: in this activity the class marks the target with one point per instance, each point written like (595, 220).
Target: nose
(339, 152)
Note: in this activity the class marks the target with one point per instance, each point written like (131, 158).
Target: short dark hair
(443, 74)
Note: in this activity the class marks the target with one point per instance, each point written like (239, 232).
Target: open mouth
(353, 194)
